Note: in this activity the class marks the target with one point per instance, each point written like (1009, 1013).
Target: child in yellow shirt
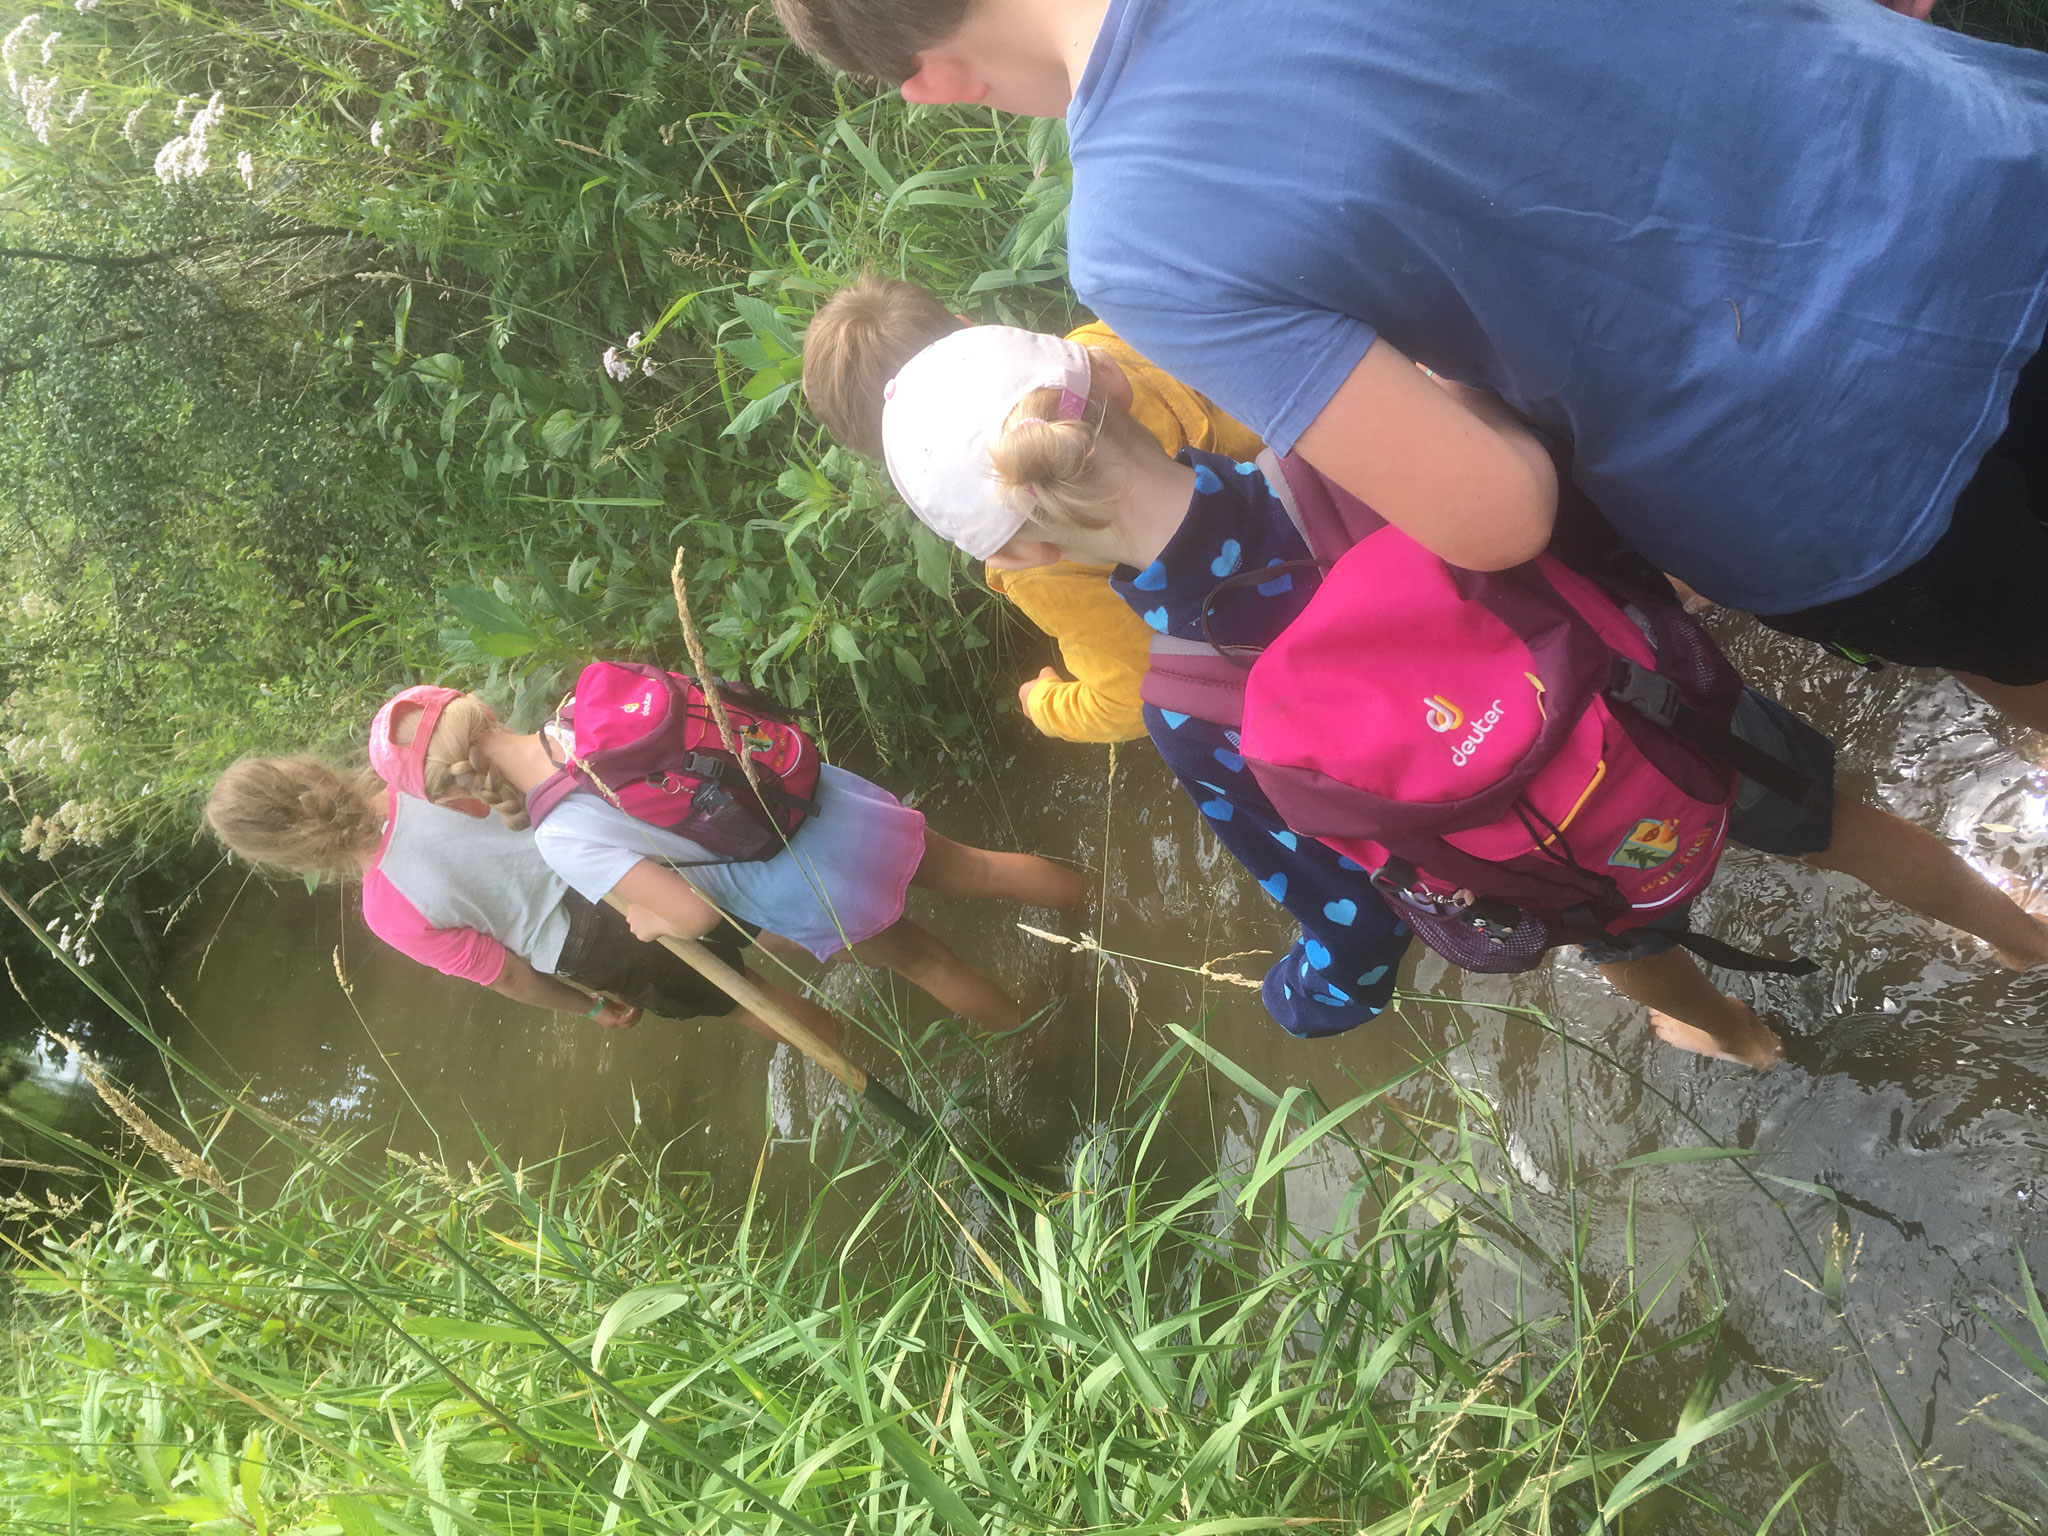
(858, 341)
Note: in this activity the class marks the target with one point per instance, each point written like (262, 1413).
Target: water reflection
(1915, 1087)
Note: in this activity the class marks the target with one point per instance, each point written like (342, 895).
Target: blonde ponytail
(452, 772)
(297, 815)
(1067, 472)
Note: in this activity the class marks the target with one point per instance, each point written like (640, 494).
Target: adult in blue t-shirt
(1772, 267)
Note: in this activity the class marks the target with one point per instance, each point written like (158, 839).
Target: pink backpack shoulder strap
(559, 785)
(1329, 518)
(1187, 677)
(549, 793)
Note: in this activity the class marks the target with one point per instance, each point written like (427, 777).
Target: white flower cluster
(245, 164)
(36, 98)
(620, 365)
(184, 158)
(88, 823)
(36, 606)
(131, 127)
(35, 94)
(68, 744)
(73, 939)
(26, 751)
(12, 44)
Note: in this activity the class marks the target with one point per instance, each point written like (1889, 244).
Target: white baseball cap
(947, 406)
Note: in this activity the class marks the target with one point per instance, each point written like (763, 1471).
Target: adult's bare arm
(1450, 467)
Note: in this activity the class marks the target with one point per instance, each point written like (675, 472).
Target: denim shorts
(1759, 819)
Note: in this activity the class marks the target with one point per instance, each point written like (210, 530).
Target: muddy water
(1916, 1086)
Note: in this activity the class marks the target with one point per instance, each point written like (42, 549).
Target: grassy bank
(309, 1341)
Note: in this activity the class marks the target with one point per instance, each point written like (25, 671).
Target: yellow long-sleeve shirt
(1104, 646)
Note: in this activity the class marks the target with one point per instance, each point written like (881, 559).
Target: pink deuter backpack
(646, 741)
(1518, 758)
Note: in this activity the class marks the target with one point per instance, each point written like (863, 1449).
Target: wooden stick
(743, 989)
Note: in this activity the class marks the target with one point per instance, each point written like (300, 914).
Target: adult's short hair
(881, 38)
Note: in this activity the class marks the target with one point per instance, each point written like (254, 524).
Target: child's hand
(649, 925)
(616, 1015)
(1030, 685)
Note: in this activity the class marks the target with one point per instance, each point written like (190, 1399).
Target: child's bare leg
(807, 1013)
(782, 949)
(1687, 1011)
(2028, 705)
(1916, 869)
(954, 869)
(921, 958)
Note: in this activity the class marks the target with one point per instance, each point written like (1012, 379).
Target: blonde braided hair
(452, 773)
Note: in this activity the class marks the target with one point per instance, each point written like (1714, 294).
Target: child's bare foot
(1745, 1040)
(2034, 955)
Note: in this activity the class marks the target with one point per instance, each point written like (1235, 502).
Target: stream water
(1916, 1085)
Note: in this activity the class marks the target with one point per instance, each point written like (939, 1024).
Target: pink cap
(405, 768)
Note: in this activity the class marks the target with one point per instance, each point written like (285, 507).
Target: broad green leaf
(198, 1510)
(465, 1330)
(934, 560)
(506, 646)
(634, 1310)
(926, 1481)
(441, 368)
(1700, 1401)
(764, 320)
(355, 1515)
(558, 433)
(1051, 1294)
(865, 156)
(759, 411)
(249, 1474)
(484, 610)
(843, 644)
(1671, 1452)
(881, 586)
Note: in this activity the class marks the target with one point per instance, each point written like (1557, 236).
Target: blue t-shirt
(1771, 264)
(1340, 972)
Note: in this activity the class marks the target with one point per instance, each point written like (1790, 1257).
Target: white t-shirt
(842, 878)
(455, 892)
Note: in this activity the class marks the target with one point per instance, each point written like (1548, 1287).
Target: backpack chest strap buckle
(1650, 694)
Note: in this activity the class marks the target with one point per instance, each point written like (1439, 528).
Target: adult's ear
(944, 79)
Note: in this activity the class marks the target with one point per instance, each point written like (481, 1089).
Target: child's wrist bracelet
(596, 1007)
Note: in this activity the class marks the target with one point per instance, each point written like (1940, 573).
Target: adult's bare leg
(1913, 867)
(2028, 704)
